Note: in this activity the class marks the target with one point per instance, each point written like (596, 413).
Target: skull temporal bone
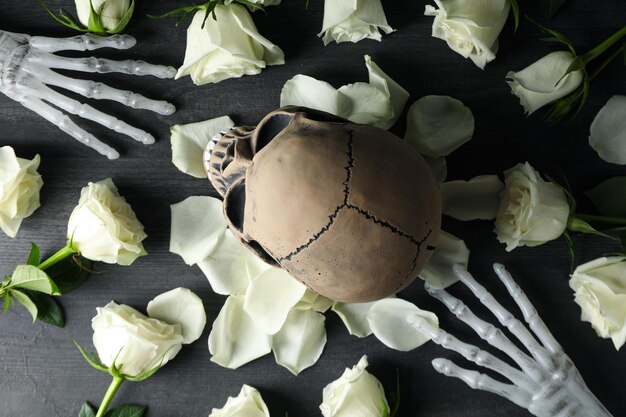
(349, 210)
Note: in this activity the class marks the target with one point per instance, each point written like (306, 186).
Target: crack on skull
(385, 224)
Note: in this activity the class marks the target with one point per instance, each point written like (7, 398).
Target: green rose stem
(57, 257)
(115, 385)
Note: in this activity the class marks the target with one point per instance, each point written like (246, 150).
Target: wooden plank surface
(42, 374)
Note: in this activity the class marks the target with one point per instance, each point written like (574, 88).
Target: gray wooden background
(41, 372)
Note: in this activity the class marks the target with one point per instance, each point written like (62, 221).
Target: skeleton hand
(546, 383)
(25, 73)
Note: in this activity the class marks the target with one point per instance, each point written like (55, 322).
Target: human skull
(350, 210)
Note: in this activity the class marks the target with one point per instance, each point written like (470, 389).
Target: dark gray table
(41, 372)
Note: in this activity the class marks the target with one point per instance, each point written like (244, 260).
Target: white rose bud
(135, 344)
(226, 47)
(352, 21)
(356, 394)
(103, 227)
(542, 82)
(111, 15)
(19, 189)
(247, 404)
(471, 28)
(531, 211)
(600, 291)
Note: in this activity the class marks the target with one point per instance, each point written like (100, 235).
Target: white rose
(111, 15)
(103, 227)
(542, 82)
(228, 47)
(19, 189)
(353, 20)
(600, 291)
(471, 28)
(247, 404)
(356, 394)
(135, 343)
(531, 211)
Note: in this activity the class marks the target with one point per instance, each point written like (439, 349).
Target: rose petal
(450, 251)
(231, 266)
(368, 104)
(270, 297)
(314, 301)
(390, 323)
(475, 199)
(300, 342)
(198, 226)
(398, 95)
(189, 141)
(306, 91)
(235, 339)
(180, 306)
(608, 131)
(542, 82)
(248, 403)
(437, 125)
(354, 316)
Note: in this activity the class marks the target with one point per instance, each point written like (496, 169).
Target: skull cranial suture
(350, 210)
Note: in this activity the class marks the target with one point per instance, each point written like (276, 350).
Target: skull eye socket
(270, 128)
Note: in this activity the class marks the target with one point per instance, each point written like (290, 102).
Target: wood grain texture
(42, 374)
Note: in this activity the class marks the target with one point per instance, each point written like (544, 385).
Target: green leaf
(92, 359)
(516, 13)
(87, 410)
(551, 7)
(34, 255)
(577, 225)
(32, 278)
(23, 299)
(70, 273)
(49, 309)
(125, 19)
(95, 21)
(7, 302)
(609, 197)
(127, 410)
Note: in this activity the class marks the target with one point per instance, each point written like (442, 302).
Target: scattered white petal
(306, 91)
(379, 79)
(450, 251)
(231, 266)
(235, 339)
(270, 297)
(180, 306)
(300, 342)
(314, 301)
(190, 140)
(476, 199)
(354, 316)
(608, 131)
(368, 104)
(248, 403)
(198, 225)
(437, 125)
(390, 320)
(438, 166)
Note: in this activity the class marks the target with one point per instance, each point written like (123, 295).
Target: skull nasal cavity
(272, 127)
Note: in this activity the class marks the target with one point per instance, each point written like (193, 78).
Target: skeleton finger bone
(505, 318)
(26, 71)
(487, 332)
(528, 310)
(473, 353)
(556, 388)
(87, 42)
(476, 380)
